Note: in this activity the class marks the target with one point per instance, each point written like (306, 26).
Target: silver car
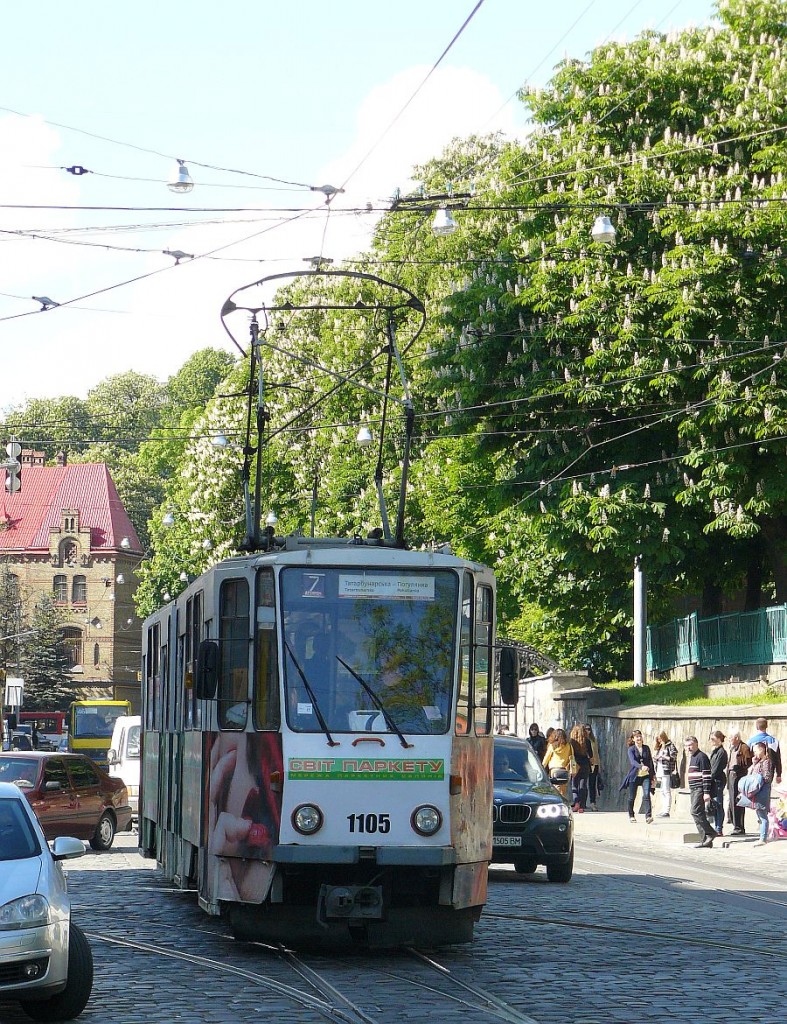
(45, 960)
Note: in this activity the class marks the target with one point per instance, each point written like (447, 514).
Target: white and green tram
(318, 742)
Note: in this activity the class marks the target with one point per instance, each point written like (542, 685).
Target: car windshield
(517, 764)
(22, 771)
(94, 723)
(18, 840)
(348, 632)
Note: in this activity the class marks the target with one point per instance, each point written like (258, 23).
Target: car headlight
(552, 811)
(426, 820)
(26, 912)
(307, 819)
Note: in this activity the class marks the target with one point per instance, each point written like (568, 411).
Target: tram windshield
(368, 650)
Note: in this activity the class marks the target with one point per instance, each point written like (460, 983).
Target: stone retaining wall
(564, 699)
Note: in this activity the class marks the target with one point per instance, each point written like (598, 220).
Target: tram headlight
(307, 819)
(426, 820)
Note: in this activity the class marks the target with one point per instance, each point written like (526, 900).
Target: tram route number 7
(369, 823)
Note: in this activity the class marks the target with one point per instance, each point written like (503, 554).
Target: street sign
(14, 691)
(14, 449)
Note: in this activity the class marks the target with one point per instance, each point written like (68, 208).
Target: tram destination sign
(386, 769)
(387, 588)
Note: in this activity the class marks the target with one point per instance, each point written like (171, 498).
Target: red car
(70, 795)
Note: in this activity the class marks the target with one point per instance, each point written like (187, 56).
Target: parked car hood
(538, 790)
(19, 878)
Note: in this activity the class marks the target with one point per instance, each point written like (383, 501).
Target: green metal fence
(740, 638)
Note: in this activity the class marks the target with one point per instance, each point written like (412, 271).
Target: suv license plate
(507, 841)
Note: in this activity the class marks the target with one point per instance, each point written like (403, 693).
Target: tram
(317, 740)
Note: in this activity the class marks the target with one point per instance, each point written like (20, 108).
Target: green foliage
(683, 692)
(44, 659)
(31, 645)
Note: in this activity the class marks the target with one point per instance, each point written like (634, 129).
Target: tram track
(691, 883)
(680, 940)
(325, 998)
(343, 1015)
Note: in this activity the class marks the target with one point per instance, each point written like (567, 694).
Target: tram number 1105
(369, 823)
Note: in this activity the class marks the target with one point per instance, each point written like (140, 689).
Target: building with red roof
(65, 532)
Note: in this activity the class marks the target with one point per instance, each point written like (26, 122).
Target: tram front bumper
(418, 856)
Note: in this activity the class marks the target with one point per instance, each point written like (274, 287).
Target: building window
(60, 589)
(79, 590)
(72, 642)
(69, 552)
(96, 656)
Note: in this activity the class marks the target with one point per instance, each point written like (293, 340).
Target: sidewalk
(677, 835)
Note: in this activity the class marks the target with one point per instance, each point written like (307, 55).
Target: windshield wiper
(377, 703)
(320, 717)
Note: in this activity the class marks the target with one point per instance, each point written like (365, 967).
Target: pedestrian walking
(762, 765)
(537, 740)
(581, 776)
(738, 762)
(559, 761)
(666, 758)
(718, 779)
(642, 773)
(762, 735)
(698, 775)
(594, 782)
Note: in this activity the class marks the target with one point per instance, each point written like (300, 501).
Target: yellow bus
(90, 725)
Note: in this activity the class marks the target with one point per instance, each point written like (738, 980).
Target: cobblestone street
(639, 933)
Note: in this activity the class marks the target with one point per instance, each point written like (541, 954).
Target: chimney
(61, 458)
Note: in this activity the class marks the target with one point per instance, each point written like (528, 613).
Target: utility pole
(640, 623)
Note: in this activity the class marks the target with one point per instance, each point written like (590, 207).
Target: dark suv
(532, 823)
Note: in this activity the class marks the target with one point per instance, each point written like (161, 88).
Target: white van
(124, 756)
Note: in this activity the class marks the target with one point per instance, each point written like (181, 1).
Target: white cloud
(152, 326)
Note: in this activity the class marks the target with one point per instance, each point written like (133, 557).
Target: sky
(307, 92)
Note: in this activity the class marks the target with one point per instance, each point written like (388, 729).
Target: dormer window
(69, 522)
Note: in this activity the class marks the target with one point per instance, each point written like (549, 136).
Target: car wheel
(525, 865)
(104, 836)
(561, 872)
(69, 1003)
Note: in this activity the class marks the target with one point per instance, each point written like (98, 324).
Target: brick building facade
(66, 533)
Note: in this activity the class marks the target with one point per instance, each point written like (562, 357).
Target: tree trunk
(774, 532)
(711, 599)
(754, 574)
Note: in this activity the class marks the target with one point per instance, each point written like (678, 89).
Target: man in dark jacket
(698, 776)
(738, 761)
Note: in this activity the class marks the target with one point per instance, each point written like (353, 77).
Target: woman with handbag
(762, 765)
(559, 761)
(642, 772)
(666, 758)
(581, 776)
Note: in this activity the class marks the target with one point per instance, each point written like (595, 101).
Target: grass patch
(688, 692)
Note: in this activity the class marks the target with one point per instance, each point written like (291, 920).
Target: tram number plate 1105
(369, 823)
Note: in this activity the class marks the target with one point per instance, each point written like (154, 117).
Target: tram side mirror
(509, 676)
(207, 670)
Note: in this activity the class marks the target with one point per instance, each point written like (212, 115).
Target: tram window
(152, 681)
(465, 700)
(266, 676)
(184, 693)
(234, 654)
(355, 638)
(483, 660)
